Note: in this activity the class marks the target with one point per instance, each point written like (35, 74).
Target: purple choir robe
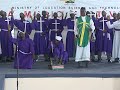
(109, 40)
(58, 51)
(52, 28)
(6, 45)
(47, 30)
(21, 26)
(70, 39)
(101, 37)
(40, 40)
(24, 56)
(93, 44)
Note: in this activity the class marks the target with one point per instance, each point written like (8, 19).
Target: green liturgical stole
(83, 31)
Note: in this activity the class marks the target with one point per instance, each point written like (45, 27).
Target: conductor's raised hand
(12, 11)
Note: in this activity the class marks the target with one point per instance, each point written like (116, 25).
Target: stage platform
(40, 69)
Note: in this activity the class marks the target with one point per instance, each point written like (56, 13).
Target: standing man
(45, 18)
(40, 41)
(6, 45)
(23, 25)
(116, 40)
(55, 26)
(109, 41)
(70, 37)
(101, 37)
(113, 32)
(84, 26)
(93, 38)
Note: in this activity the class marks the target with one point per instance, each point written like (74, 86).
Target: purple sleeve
(97, 24)
(13, 40)
(64, 22)
(61, 24)
(29, 28)
(12, 23)
(49, 24)
(110, 30)
(15, 21)
(33, 25)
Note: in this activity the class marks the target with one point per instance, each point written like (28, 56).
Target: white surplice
(83, 53)
(116, 40)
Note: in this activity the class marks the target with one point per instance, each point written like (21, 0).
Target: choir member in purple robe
(23, 25)
(70, 37)
(40, 41)
(93, 37)
(101, 35)
(6, 45)
(24, 53)
(112, 21)
(56, 48)
(55, 26)
(45, 18)
(109, 41)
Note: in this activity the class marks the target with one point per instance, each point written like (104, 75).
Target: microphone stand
(17, 57)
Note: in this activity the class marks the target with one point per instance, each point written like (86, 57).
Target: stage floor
(41, 67)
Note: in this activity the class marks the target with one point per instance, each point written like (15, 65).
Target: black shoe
(116, 60)
(109, 61)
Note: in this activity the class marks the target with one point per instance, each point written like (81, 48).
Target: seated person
(56, 49)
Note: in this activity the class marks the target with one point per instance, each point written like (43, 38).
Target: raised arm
(110, 26)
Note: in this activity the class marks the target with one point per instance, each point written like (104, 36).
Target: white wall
(63, 84)
(31, 6)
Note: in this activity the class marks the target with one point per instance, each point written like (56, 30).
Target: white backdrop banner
(29, 7)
